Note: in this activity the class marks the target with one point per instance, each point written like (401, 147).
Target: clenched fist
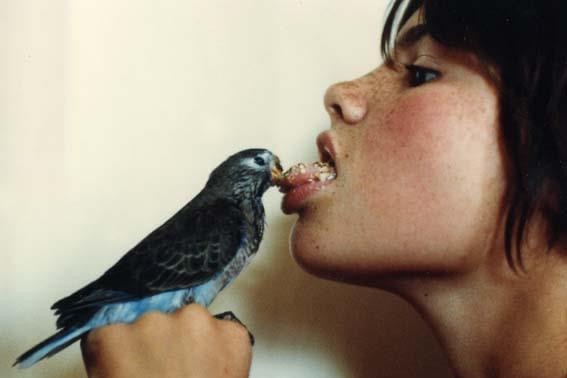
(187, 343)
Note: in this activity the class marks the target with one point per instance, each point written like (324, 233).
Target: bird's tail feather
(50, 346)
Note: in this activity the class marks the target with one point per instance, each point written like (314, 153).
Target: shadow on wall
(367, 332)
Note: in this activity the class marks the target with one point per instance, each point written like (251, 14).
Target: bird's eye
(260, 161)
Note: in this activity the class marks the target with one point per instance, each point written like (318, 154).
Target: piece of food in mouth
(301, 174)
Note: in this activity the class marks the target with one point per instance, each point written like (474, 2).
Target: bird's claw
(229, 315)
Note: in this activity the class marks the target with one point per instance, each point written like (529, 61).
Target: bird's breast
(236, 265)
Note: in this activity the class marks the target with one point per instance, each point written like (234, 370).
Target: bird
(188, 259)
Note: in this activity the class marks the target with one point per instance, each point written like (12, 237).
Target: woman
(449, 192)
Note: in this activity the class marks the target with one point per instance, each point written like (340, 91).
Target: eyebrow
(411, 36)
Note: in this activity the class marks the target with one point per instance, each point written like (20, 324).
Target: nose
(346, 102)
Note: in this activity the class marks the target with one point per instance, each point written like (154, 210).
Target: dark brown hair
(526, 42)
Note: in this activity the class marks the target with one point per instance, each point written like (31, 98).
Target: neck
(498, 324)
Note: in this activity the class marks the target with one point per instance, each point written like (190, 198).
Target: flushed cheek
(416, 125)
(412, 143)
(430, 158)
(430, 129)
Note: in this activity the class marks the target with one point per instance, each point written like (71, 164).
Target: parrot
(188, 259)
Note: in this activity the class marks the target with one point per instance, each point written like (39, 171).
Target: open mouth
(323, 171)
(302, 181)
(303, 174)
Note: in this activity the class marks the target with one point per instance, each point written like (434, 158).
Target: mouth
(303, 174)
(301, 181)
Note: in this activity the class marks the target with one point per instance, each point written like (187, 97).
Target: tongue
(301, 174)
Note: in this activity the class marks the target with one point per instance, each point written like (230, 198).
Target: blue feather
(124, 312)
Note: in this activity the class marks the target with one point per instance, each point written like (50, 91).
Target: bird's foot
(229, 315)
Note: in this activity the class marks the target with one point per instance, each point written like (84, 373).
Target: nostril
(336, 108)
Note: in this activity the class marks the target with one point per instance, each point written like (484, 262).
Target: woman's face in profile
(420, 172)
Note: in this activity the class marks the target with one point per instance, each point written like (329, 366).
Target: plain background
(113, 112)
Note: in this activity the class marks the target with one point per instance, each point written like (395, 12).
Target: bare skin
(418, 209)
(189, 343)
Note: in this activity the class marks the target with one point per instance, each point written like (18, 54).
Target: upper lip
(326, 146)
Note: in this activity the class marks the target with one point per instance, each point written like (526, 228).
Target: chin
(320, 250)
(325, 258)
(310, 250)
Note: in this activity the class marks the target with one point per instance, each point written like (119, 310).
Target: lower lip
(296, 198)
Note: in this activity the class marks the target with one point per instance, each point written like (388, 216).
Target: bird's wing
(185, 251)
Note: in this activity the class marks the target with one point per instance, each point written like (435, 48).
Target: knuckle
(106, 333)
(237, 333)
(150, 320)
(193, 313)
(194, 310)
(102, 340)
(194, 319)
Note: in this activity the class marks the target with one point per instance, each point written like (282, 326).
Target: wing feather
(187, 250)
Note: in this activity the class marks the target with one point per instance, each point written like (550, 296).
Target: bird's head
(248, 173)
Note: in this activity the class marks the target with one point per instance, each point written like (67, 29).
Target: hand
(187, 343)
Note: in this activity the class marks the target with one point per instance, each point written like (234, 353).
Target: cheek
(413, 147)
(431, 168)
(415, 131)
(439, 134)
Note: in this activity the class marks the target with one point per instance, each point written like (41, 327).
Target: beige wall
(112, 115)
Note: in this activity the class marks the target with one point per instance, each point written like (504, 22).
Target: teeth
(298, 168)
(325, 176)
(325, 171)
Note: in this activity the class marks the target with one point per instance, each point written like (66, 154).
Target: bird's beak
(277, 171)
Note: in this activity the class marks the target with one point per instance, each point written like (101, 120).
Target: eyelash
(418, 75)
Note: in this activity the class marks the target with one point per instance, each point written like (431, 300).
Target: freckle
(426, 295)
(317, 246)
(347, 156)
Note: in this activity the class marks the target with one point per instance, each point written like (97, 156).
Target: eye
(260, 161)
(418, 75)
